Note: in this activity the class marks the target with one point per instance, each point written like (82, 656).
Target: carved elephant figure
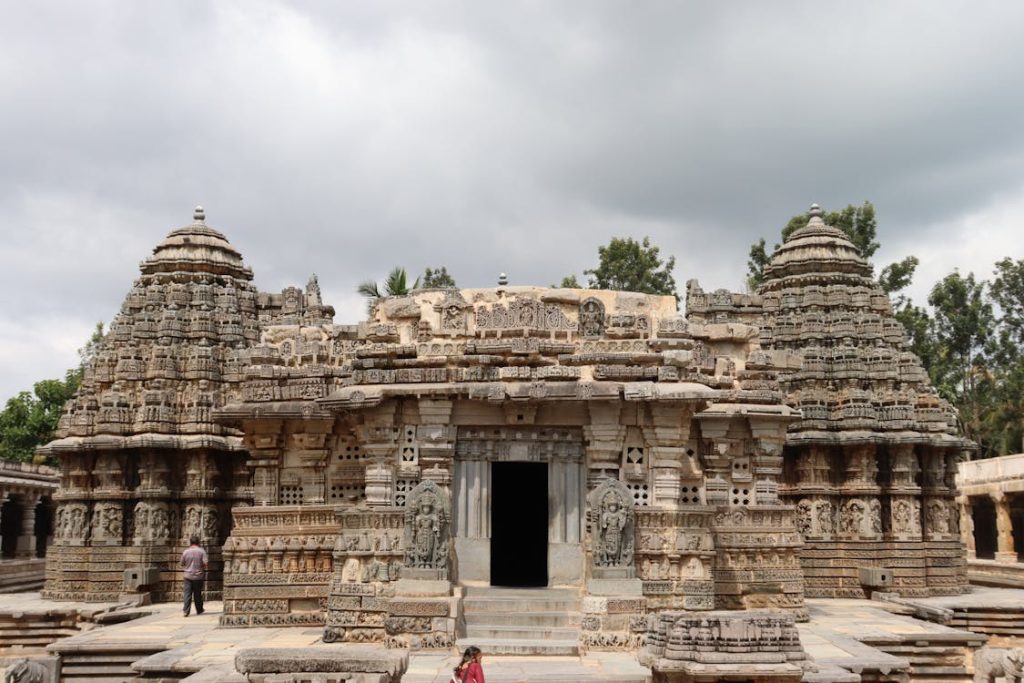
(23, 670)
(993, 662)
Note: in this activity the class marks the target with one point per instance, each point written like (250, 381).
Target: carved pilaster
(603, 438)
(669, 455)
(860, 509)
(435, 434)
(263, 440)
(380, 485)
(967, 527)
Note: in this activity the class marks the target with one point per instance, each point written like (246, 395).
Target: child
(469, 669)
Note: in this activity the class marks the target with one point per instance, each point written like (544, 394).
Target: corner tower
(143, 464)
(870, 465)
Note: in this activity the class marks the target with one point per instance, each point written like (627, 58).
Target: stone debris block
(342, 663)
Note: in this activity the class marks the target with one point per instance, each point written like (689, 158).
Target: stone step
(491, 632)
(544, 648)
(498, 591)
(523, 618)
(510, 605)
(29, 585)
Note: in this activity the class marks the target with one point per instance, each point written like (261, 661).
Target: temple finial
(199, 215)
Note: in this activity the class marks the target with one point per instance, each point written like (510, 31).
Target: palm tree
(394, 285)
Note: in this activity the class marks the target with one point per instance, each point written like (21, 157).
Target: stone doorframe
(562, 449)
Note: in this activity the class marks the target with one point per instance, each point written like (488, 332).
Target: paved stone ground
(980, 597)
(197, 644)
(31, 603)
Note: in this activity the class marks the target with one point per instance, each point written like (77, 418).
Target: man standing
(194, 560)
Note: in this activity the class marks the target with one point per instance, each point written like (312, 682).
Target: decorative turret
(158, 371)
(196, 248)
(816, 253)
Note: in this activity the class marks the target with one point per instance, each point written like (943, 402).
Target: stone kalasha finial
(815, 214)
(199, 215)
(502, 280)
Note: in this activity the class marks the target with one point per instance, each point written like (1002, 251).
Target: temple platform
(848, 640)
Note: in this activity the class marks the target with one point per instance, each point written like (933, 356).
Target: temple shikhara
(739, 451)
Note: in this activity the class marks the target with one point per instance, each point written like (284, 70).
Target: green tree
(898, 275)
(396, 284)
(859, 224)
(437, 278)
(568, 282)
(962, 322)
(756, 262)
(29, 419)
(628, 265)
(1006, 354)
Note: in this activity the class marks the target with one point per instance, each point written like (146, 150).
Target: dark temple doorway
(983, 513)
(519, 524)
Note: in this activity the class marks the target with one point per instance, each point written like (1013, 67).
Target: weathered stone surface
(762, 447)
(322, 660)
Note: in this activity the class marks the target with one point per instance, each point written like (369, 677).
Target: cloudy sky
(345, 138)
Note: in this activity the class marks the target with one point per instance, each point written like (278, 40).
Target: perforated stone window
(349, 451)
(402, 489)
(741, 469)
(344, 492)
(641, 494)
(408, 450)
(690, 495)
(291, 495)
(740, 496)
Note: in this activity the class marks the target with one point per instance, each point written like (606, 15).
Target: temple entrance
(983, 510)
(519, 524)
(10, 527)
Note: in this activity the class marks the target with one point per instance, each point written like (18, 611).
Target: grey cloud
(347, 138)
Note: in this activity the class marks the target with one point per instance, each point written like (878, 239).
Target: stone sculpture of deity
(427, 514)
(611, 524)
(591, 317)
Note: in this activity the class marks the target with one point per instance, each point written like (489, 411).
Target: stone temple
(372, 478)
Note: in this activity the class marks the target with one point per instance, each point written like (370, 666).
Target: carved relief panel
(611, 510)
(427, 518)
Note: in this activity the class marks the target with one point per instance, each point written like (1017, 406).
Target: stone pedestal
(615, 587)
(423, 582)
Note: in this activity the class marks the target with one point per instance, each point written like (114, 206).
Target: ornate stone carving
(453, 312)
(152, 523)
(991, 663)
(107, 522)
(427, 517)
(592, 318)
(611, 524)
(22, 670)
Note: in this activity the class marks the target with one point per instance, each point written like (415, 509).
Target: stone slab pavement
(979, 597)
(196, 645)
(198, 648)
(33, 603)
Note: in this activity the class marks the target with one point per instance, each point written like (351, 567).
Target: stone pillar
(1004, 529)
(967, 527)
(26, 547)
